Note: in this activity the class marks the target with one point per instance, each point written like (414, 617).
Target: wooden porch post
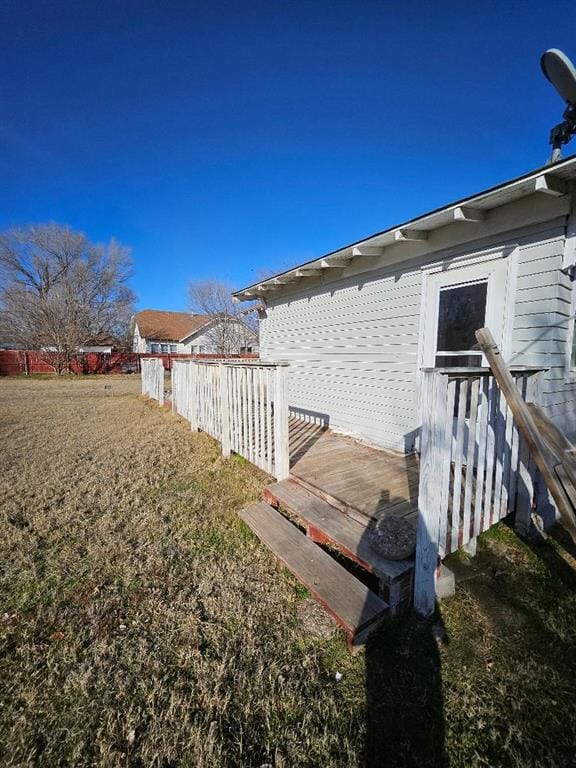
(434, 392)
(281, 447)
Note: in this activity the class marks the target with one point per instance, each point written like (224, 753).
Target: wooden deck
(301, 520)
(363, 482)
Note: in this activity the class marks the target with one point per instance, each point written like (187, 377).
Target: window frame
(571, 339)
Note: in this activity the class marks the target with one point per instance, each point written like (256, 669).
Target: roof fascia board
(471, 210)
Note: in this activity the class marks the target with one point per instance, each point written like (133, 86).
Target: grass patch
(143, 624)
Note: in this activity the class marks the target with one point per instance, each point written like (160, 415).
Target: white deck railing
(475, 468)
(243, 405)
(153, 378)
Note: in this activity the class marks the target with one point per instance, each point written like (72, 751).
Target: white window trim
(509, 252)
(570, 369)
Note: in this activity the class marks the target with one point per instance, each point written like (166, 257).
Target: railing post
(224, 410)
(173, 388)
(192, 395)
(160, 382)
(281, 447)
(434, 392)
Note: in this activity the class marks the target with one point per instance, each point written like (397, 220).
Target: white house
(358, 325)
(156, 330)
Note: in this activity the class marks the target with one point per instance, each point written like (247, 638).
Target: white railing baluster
(470, 460)
(457, 459)
(443, 445)
(475, 463)
(242, 405)
(269, 443)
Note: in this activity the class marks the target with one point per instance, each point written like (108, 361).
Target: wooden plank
(506, 464)
(470, 461)
(433, 393)
(566, 477)
(224, 411)
(499, 450)
(550, 433)
(173, 387)
(281, 443)
(250, 399)
(514, 463)
(334, 527)
(262, 419)
(351, 603)
(444, 448)
(527, 426)
(490, 453)
(481, 463)
(458, 460)
(269, 434)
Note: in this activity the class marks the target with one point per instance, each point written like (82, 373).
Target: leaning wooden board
(558, 470)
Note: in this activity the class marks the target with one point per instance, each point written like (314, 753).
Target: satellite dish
(560, 71)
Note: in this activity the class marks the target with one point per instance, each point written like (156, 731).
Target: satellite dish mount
(560, 71)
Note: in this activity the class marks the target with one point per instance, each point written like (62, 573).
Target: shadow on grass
(544, 549)
(404, 707)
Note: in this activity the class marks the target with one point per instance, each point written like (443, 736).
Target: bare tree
(59, 291)
(232, 329)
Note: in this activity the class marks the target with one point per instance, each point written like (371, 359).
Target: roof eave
(546, 180)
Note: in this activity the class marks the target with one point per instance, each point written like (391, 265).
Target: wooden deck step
(361, 512)
(355, 607)
(327, 525)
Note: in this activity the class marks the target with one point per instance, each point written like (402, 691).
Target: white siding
(352, 344)
(206, 341)
(541, 324)
(139, 343)
(353, 352)
(194, 342)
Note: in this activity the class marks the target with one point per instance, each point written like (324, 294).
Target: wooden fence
(153, 378)
(475, 468)
(243, 405)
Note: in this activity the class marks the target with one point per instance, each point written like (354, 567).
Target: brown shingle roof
(168, 326)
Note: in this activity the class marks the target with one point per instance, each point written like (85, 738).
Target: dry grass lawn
(141, 623)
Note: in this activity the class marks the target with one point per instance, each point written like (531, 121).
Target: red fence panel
(19, 361)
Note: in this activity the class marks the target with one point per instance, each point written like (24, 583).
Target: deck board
(354, 606)
(354, 477)
(333, 527)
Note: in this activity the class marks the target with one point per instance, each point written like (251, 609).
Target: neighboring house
(103, 344)
(358, 325)
(158, 331)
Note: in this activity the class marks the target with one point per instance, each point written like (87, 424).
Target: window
(571, 339)
(173, 348)
(461, 310)
(155, 348)
(245, 349)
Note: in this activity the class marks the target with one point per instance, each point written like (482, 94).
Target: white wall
(542, 321)
(138, 343)
(352, 345)
(205, 339)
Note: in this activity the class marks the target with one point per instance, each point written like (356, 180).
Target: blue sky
(217, 139)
